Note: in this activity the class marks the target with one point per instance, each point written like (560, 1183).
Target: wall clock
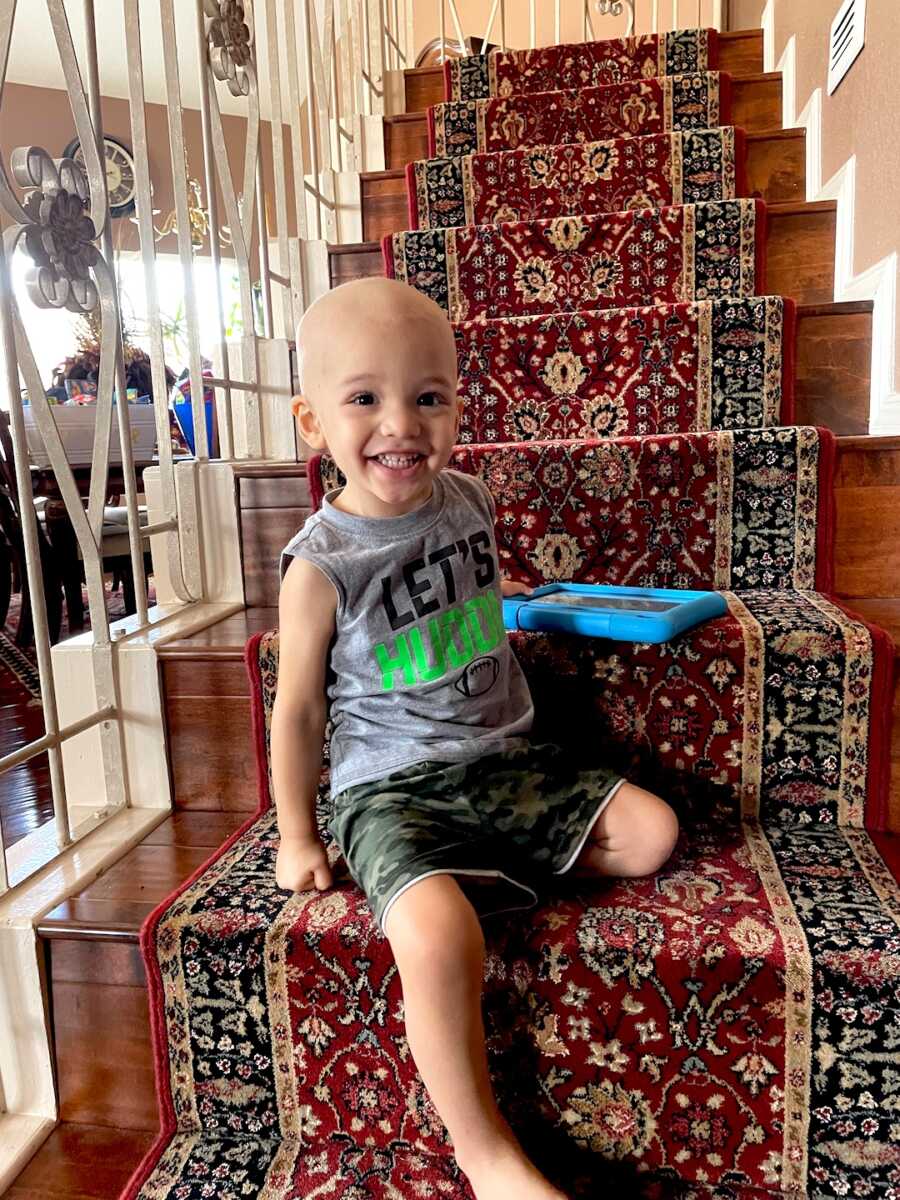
(119, 173)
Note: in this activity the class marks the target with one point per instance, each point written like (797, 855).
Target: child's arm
(306, 613)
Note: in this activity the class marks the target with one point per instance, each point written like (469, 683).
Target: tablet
(625, 614)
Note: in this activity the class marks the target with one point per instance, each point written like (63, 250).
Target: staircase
(96, 982)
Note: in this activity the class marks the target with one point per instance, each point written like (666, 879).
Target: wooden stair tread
(883, 612)
(227, 638)
(836, 308)
(114, 906)
(81, 1162)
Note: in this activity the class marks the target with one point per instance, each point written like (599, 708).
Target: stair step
(203, 675)
(833, 366)
(775, 166)
(755, 107)
(799, 253)
(82, 1162)
(94, 965)
(205, 686)
(100, 1011)
(740, 54)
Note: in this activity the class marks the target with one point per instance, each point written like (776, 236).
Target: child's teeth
(397, 460)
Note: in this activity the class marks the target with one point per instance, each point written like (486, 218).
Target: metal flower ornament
(230, 38)
(57, 233)
(615, 8)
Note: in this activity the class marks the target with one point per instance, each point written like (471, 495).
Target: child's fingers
(512, 587)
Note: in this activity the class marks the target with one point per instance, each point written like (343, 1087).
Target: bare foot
(504, 1171)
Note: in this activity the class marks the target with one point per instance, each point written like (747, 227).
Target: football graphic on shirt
(479, 676)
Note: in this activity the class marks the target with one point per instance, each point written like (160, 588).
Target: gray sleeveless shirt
(422, 667)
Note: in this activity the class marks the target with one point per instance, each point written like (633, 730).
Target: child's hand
(510, 587)
(302, 864)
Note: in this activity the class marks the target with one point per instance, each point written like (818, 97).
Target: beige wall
(37, 116)
(861, 118)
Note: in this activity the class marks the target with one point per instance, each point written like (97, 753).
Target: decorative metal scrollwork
(57, 234)
(230, 38)
(615, 8)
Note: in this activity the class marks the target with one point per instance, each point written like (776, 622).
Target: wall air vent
(848, 36)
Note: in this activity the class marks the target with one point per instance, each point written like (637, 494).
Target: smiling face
(378, 378)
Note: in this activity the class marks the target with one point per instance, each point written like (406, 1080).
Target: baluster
(212, 209)
(33, 566)
(179, 513)
(279, 165)
(492, 16)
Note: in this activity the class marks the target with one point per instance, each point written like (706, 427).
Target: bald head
(350, 320)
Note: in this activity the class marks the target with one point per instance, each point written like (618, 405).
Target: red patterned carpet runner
(693, 510)
(589, 177)
(617, 260)
(671, 368)
(649, 1023)
(724, 1030)
(587, 64)
(579, 115)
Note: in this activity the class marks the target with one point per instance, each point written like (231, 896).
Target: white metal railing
(324, 76)
(632, 17)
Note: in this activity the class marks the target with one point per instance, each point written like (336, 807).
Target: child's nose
(400, 420)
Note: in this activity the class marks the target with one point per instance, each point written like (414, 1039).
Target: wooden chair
(12, 553)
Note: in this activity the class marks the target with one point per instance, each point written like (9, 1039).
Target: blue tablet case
(624, 614)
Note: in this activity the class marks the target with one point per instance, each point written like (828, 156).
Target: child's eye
(363, 398)
(429, 399)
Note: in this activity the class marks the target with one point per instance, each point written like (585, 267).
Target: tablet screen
(623, 603)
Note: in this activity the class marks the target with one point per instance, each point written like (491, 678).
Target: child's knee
(653, 835)
(432, 926)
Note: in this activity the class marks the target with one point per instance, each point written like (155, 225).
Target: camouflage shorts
(504, 819)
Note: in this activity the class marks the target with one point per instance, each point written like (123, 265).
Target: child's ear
(308, 423)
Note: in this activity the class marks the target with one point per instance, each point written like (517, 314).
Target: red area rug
(590, 177)
(585, 64)
(579, 115)
(717, 364)
(616, 260)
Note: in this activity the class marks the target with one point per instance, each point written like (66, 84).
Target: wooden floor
(114, 906)
(25, 800)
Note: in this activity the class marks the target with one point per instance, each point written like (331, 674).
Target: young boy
(441, 804)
